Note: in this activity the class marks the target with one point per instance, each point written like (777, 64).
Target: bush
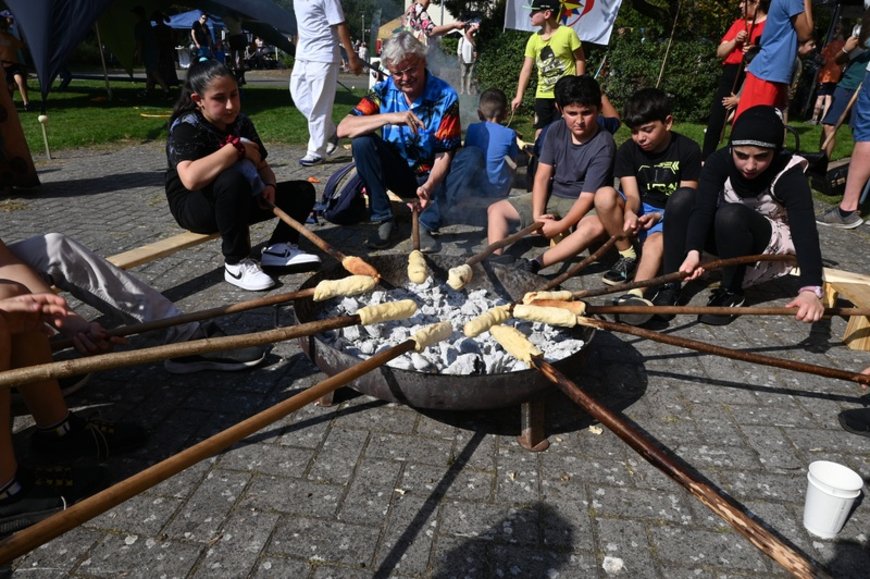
(690, 75)
(499, 64)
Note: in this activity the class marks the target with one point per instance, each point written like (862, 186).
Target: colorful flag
(592, 19)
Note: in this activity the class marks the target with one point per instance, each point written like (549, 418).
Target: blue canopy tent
(53, 28)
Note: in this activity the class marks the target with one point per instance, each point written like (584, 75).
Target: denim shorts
(861, 114)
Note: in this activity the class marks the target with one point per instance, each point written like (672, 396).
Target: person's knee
(606, 199)
(730, 217)
(363, 145)
(681, 202)
(10, 289)
(231, 184)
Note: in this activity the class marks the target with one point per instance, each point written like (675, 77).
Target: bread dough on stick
(549, 316)
(357, 266)
(487, 319)
(578, 308)
(432, 334)
(557, 295)
(398, 310)
(516, 344)
(417, 269)
(458, 276)
(348, 286)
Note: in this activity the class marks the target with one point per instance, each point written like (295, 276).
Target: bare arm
(445, 28)
(607, 109)
(539, 190)
(803, 22)
(355, 125)
(439, 171)
(726, 46)
(580, 61)
(525, 75)
(353, 61)
(199, 173)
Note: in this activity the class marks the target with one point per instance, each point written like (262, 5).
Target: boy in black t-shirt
(654, 164)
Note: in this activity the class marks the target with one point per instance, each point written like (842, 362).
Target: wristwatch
(816, 290)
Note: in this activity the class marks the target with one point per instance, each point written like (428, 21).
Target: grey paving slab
(367, 488)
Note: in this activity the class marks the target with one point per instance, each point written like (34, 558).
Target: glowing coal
(459, 355)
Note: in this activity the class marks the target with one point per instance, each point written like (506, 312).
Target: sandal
(856, 421)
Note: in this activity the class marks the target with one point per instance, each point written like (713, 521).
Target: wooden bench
(854, 287)
(159, 248)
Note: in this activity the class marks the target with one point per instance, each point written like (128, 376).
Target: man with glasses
(201, 36)
(405, 136)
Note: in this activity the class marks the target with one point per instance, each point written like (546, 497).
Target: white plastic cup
(831, 492)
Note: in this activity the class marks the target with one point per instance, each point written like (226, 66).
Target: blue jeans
(380, 167)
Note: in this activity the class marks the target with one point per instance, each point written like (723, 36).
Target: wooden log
(415, 225)
(732, 512)
(64, 368)
(197, 316)
(718, 311)
(28, 539)
(728, 352)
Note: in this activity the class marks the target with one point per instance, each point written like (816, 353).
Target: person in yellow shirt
(556, 51)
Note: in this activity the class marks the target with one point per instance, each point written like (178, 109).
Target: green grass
(83, 116)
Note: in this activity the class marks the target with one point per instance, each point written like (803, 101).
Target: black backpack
(343, 202)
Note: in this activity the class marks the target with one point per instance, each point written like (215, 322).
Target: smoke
(446, 67)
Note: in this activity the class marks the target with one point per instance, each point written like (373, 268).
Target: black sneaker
(666, 295)
(621, 272)
(224, 361)
(89, 438)
(632, 319)
(722, 298)
(528, 265)
(382, 238)
(48, 490)
(428, 244)
(501, 259)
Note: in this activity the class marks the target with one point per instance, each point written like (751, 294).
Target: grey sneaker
(833, 218)
(428, 244)
(383, 237)
(224, 361)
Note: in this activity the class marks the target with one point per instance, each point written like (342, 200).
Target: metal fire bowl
(426, 390)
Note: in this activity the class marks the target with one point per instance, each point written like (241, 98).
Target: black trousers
(718, 113)
(227, 206)
(737, 230)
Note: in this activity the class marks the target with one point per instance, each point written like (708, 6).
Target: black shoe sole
(16, 523)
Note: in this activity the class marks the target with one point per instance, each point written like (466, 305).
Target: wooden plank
(158, 249)
(857, 334)
(832, 275)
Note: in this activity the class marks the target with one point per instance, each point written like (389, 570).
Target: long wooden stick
(415, 226)
(64, 368)
(197, 316)
(728, 352)
(678, 275)
(575, 269)
(734, 513)
(716, 311)
(358, 267)
(510, 239)
(28, 539)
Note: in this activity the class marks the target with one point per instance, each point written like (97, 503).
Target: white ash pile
(460, 355)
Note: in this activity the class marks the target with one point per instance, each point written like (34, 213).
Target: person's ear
(196, 98)
(669, 122)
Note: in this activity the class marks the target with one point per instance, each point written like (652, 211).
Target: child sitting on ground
(576, 160)
(498, 143)
(651, 167)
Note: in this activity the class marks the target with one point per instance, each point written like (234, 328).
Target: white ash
(460, 355)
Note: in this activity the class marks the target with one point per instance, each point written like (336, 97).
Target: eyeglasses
(410, 72)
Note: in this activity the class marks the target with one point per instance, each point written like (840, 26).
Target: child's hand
(630, 221)
(647, 220)
(515, 104)
(731, 101)
(692, 265)
(809, 307)
(552, 226)
(30, 312)
(252, 151)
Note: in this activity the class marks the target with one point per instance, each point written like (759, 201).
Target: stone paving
(372, 489)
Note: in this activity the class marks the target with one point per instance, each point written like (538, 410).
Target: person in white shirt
(322, 29)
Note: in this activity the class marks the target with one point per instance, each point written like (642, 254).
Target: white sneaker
(332, 144)
(248, 275)
(285, 255)
(310, 159)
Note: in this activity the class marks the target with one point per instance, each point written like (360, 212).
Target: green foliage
(690, 74)
(500, 61)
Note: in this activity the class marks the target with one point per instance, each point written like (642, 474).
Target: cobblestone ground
(367, 488)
